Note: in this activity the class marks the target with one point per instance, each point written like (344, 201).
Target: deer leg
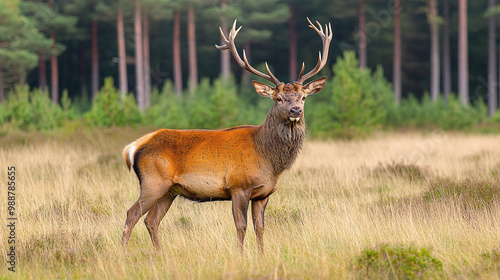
(240, 207)
(258, 208)
(155, 215)
(151, 192)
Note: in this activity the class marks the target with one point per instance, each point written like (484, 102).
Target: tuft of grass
(407, 171)
(491, 261)
(495, 171)
(79, 205)
(284, 215)
(386, 261)
(62, 247)
(488, 266)
(470, 193)
(185, 223)
(470, 196)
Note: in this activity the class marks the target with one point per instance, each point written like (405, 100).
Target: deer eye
(303, 98)
(279, 99)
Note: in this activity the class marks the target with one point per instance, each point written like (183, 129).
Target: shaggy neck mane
(280, 140)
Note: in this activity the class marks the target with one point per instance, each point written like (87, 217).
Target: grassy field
(394, 206)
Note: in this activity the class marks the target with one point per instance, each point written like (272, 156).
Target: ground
(433, 190)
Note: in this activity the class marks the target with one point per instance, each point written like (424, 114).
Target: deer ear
(263, 89)
(314, 86)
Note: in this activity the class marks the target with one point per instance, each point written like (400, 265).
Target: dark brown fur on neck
(280, 140)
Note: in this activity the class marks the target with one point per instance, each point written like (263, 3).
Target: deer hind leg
(155, 215)
(258, 208)
(151, 192)
(240, 207)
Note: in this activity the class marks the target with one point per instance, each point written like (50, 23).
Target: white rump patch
(131, 153)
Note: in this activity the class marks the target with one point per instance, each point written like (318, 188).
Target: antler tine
(326, 37)
(249, 68)
(229, 44)
(275, 80)
(302, 69)
(225, 46)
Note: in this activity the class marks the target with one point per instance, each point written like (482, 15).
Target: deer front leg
(240, 207)
(258, 208)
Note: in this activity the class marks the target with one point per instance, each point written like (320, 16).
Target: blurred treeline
(369, 105)
(130, 62)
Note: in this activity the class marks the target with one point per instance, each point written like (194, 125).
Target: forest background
(68, 63)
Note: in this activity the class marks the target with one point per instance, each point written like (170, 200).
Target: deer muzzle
(295, 113)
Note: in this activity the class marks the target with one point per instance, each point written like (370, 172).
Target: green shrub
(108, 110)
(211, 106)
(167, 110)
(495, 118)
(34, 110)
(359, 100)
(427, 113)
(3, 113)
(397, 262)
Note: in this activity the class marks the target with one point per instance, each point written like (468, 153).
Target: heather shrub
(470, 193)
(386, 261)
(408, 171)
(491, 260)
(284, 215)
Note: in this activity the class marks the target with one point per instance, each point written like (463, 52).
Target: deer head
(288, 98)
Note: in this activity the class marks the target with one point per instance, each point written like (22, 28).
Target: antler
(326, 38)
(229, 44)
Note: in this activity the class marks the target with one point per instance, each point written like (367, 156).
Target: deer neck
(280, 141)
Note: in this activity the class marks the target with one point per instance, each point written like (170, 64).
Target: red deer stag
(240, 164)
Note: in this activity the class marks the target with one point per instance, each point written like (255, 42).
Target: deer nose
(296, 111)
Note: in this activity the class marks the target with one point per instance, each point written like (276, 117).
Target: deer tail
(129, 153)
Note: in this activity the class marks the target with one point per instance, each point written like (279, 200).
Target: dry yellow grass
(338, 199)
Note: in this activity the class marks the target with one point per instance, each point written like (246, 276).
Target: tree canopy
(25, 26)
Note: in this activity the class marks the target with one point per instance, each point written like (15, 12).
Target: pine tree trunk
(396, 74)
(83, 82)
(193, 64)
(292, 42)
(492, 61)
(94, 60)
(139, 65)
(446, 51)
(463, 64)
(122, 59)
(42, 73)
(54, 73)
(433, 16)
(362, 35)
(54, 78)
(147, 67)
(177, 53)
(225, 62)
